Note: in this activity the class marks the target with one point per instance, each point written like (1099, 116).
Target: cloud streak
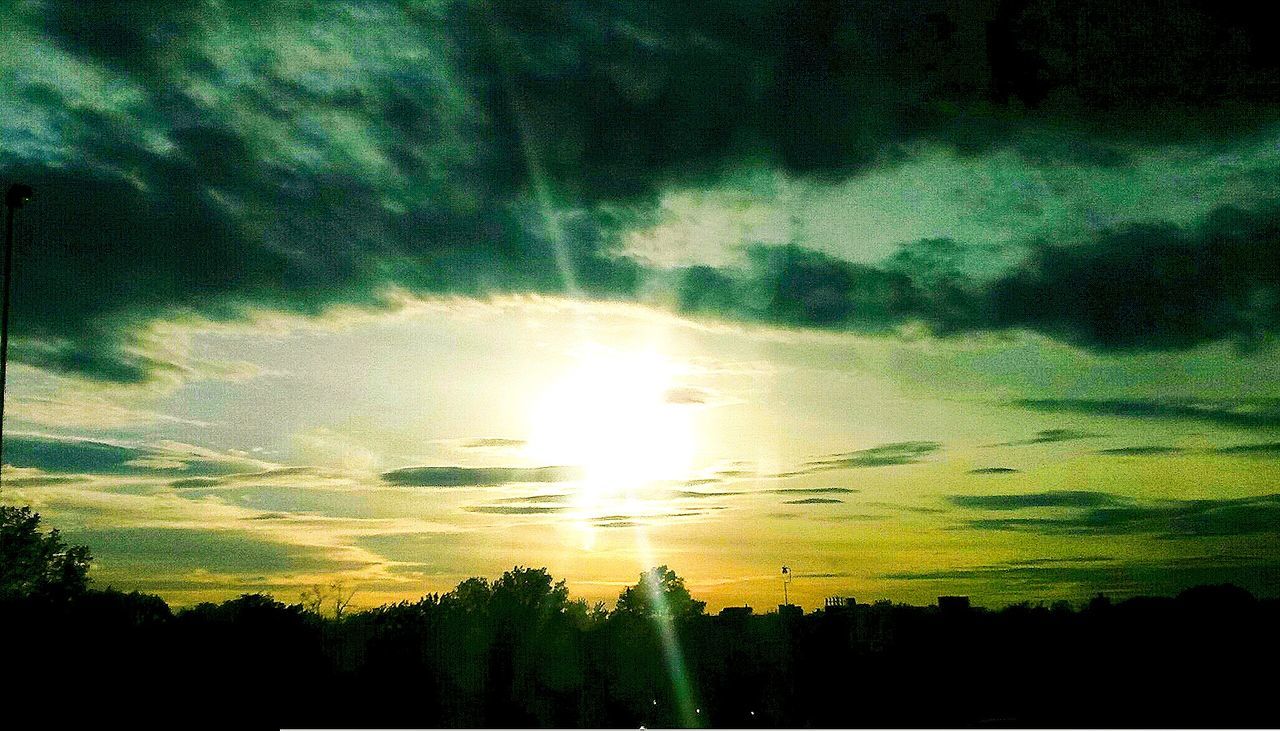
(1095, 513)
(452, 476)
(884, 455)
(65, 455)
(1252, 414)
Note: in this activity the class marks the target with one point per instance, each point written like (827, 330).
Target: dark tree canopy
(660, 592)
(34, 563)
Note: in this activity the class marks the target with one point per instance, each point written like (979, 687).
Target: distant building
(953, 603)
(735, 612)
(839, 603)
(790, 611)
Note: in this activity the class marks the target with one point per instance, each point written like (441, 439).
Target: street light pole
(17, 196)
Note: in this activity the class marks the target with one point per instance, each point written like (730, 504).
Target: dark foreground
(517, 652)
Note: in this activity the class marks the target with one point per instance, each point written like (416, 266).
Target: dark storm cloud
(83, 456)
(1049, 436)
(1103, 514)
(1152, 286)
(1255, 414)
(252, 170)
(993, 471)
(789, 285)
(1139, 287)
(451, 476)
(1053, 499)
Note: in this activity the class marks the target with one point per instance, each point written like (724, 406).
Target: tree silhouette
(335, 595)
(516, 651)
(660, 592)
(37, 564)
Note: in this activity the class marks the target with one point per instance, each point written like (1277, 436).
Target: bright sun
(612, 415)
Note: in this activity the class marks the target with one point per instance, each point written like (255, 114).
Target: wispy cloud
(1085, 576)
(1243, 413)
(453, 476)
(812, 490)
(518, 509)
(1096, 513)
(813, 501)
(884, 455)
(1053, 499)
(492, 443)
(1269, 449)
(89, 456)
(1049, 436)
(1140, 451)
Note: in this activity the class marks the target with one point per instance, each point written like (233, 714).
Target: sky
(916, 298)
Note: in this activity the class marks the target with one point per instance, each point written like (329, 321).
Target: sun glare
(612, 416)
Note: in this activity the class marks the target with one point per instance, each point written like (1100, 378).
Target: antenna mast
(17, 196)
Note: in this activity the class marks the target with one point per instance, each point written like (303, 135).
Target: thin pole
(14, 198)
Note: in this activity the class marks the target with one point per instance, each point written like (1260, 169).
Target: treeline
(518, 651)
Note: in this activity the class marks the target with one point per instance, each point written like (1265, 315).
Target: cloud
(476, 476)
(687, 396)
(884, 455)
(493, 442)
(543, 498)
(1085, 576)
(1140, 451)
(1152, 286)
(295, 476)
(1052, 499)
(813, 501)
(1049, 436)
(1252, 413)
(169, 551)
(703, 494)
(86, 456)
(993, 471)
(81, 410)
(206, 160)
(813, 490)
(1104, 514)
(1269, 449)
(44, 480)
(1182, 286)
(628, 521)
(518, 509)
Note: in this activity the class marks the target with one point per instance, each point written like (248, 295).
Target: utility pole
(786, 579)
(16, 197)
